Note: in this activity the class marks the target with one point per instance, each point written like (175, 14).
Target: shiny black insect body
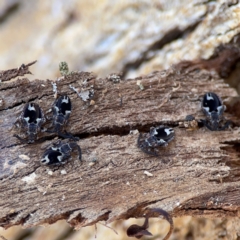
(30, 122)
(213, 109)
(60, 152)
(61, 109)
(158, 136)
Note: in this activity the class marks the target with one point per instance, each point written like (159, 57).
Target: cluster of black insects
(212, 108)
(31, 120)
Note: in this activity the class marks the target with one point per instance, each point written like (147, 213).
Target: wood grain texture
(15, 72)
(196, 174)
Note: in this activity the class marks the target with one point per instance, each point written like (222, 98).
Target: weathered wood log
(15, 72)
(196, 174)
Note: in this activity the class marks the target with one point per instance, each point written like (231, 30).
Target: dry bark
(15, 72)
(196, 174)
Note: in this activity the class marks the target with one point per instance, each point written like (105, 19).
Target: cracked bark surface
(197, 174)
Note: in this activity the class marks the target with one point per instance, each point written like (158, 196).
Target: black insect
(61, 109)
(140, 231)
(213, 109)
(158, 136)
(60, 152)
(30, 122)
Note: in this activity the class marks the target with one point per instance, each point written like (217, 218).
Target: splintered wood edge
(15, 72)
(196, 174)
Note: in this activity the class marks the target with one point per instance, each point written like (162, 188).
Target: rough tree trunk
(135, 38)
(196, 174)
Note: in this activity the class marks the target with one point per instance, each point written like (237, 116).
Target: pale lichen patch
(30, 178)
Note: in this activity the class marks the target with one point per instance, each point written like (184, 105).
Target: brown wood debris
(197, 174)
(15, 72)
